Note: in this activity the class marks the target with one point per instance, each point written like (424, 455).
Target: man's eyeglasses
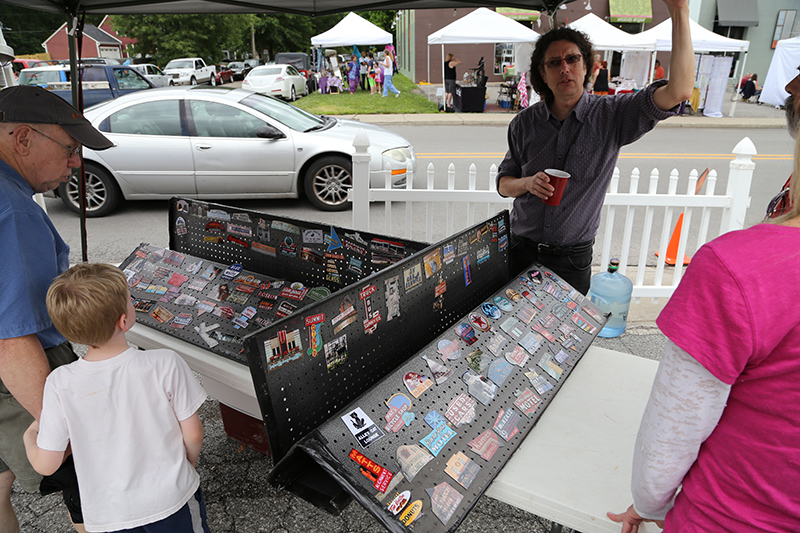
(72, 151)
(556, 63)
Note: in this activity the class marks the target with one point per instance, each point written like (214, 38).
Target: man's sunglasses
(556, 63)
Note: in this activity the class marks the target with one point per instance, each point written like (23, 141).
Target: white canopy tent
(352, 30)
(605, 37)
(782, 69)
(703, 40)
(480, 26)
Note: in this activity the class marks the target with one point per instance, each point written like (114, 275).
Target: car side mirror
(269, 132)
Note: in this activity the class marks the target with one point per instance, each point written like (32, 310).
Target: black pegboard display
(313, 363)
(206, 303)
(428, 439)
(285, 248)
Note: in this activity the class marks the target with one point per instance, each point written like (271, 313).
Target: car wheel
(193, 81)
(212, 81)
(292, 95)
(327, 182)
(102, 192)
(171, 83)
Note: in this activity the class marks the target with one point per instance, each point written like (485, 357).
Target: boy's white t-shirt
(122, 418)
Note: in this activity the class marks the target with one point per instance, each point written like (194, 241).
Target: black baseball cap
(28, 104)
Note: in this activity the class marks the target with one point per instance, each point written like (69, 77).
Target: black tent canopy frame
(73, 8)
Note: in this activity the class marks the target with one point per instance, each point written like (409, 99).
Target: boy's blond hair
(86, 301)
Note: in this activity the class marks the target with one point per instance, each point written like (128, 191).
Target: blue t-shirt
(33, 254)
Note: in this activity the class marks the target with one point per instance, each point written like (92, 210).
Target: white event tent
(703, 40)
(480, 26)
(782, 69)
(352, 30)
(605, 37)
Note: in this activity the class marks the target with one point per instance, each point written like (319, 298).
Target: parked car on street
(18, 64)
(224, 74)
(242, 68)
(226, 143)
(154, 74)
(190, 71)
(277, 80)
(99, 82)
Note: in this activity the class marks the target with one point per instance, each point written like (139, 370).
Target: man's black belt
(552, 249)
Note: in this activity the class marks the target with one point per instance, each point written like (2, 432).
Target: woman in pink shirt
(723, 419)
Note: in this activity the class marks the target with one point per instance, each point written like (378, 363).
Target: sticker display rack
(421, 446)
(276, 265)
(317, 255)
(314, 362)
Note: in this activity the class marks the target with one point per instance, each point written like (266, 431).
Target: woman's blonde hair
(793, 197)
(449, 58)
(86, 301)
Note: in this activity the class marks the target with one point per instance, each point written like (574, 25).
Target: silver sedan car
(224, 143)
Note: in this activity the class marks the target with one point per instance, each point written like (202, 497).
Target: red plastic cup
(558, 179)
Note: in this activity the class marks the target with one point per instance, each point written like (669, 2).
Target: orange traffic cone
(672, 248)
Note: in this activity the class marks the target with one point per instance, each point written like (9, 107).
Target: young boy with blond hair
(129, 416)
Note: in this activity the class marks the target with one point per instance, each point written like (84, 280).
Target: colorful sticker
(486, 444)
(394, 417)
(450, 350)
(314, 325)
(526, 313)
(284, 348)
(466, 332)
(444, 501)
(517, 357)
(412, 277)
(448, 253)
(161, 315)
(412, 458)
(477, 361)
(461, 410)
(336, 352)
(527, 402)
(512, 326)
(491, 310)
(483, 255)
(399, 502)
(533, 299)
(416, 383)
(499, 371)
(432, 262)
(506, 423)
(560, 311)
(592, 311)
(538, 328)
(438, 438)
(392, 296)
(495, 344)
(538, 381)
(440, 372)
(346, 316)
(583, 324)
(547, 364)
(412, 512)
(531, 342)
(513, 295)
(480, 387)
(379, 475)
(503, 304)
(467, 275)
(372, 316)
(362, 427)
(462, 469)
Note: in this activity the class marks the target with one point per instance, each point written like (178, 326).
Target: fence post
(740, 178)
(360, 189)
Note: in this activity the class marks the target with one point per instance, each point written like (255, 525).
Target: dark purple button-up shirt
(586, 145)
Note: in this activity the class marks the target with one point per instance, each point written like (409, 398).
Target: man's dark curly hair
(544, 42)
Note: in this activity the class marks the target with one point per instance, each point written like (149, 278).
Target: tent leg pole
(735, 94)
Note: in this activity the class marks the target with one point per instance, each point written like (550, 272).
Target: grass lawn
(362, 102)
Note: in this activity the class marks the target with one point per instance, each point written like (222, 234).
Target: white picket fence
(461, 208)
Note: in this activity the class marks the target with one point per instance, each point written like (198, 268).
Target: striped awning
(630, 11)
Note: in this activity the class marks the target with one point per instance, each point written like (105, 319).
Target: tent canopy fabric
(703, 40)
(297, 7)
(604, 36)
(483, 26)
(352, 30)
(781, 71)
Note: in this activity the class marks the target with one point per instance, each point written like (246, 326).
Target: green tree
(26, 29)
(382, 19)
(290, 33)
(165, 37)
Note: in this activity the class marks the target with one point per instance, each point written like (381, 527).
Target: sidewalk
(747, 116)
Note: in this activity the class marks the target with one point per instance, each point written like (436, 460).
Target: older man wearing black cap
(40, 141)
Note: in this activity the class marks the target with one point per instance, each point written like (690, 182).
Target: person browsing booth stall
(581, 134)
(40, 140)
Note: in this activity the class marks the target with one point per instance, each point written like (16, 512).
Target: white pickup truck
(190, 71)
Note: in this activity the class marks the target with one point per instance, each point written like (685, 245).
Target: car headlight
(401, 155)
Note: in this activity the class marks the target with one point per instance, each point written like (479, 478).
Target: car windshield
(34, 77)
(274, 71)
(286, 114)
(180, 63)
(236, 64)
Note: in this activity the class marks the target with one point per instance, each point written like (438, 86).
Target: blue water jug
(611, 292)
